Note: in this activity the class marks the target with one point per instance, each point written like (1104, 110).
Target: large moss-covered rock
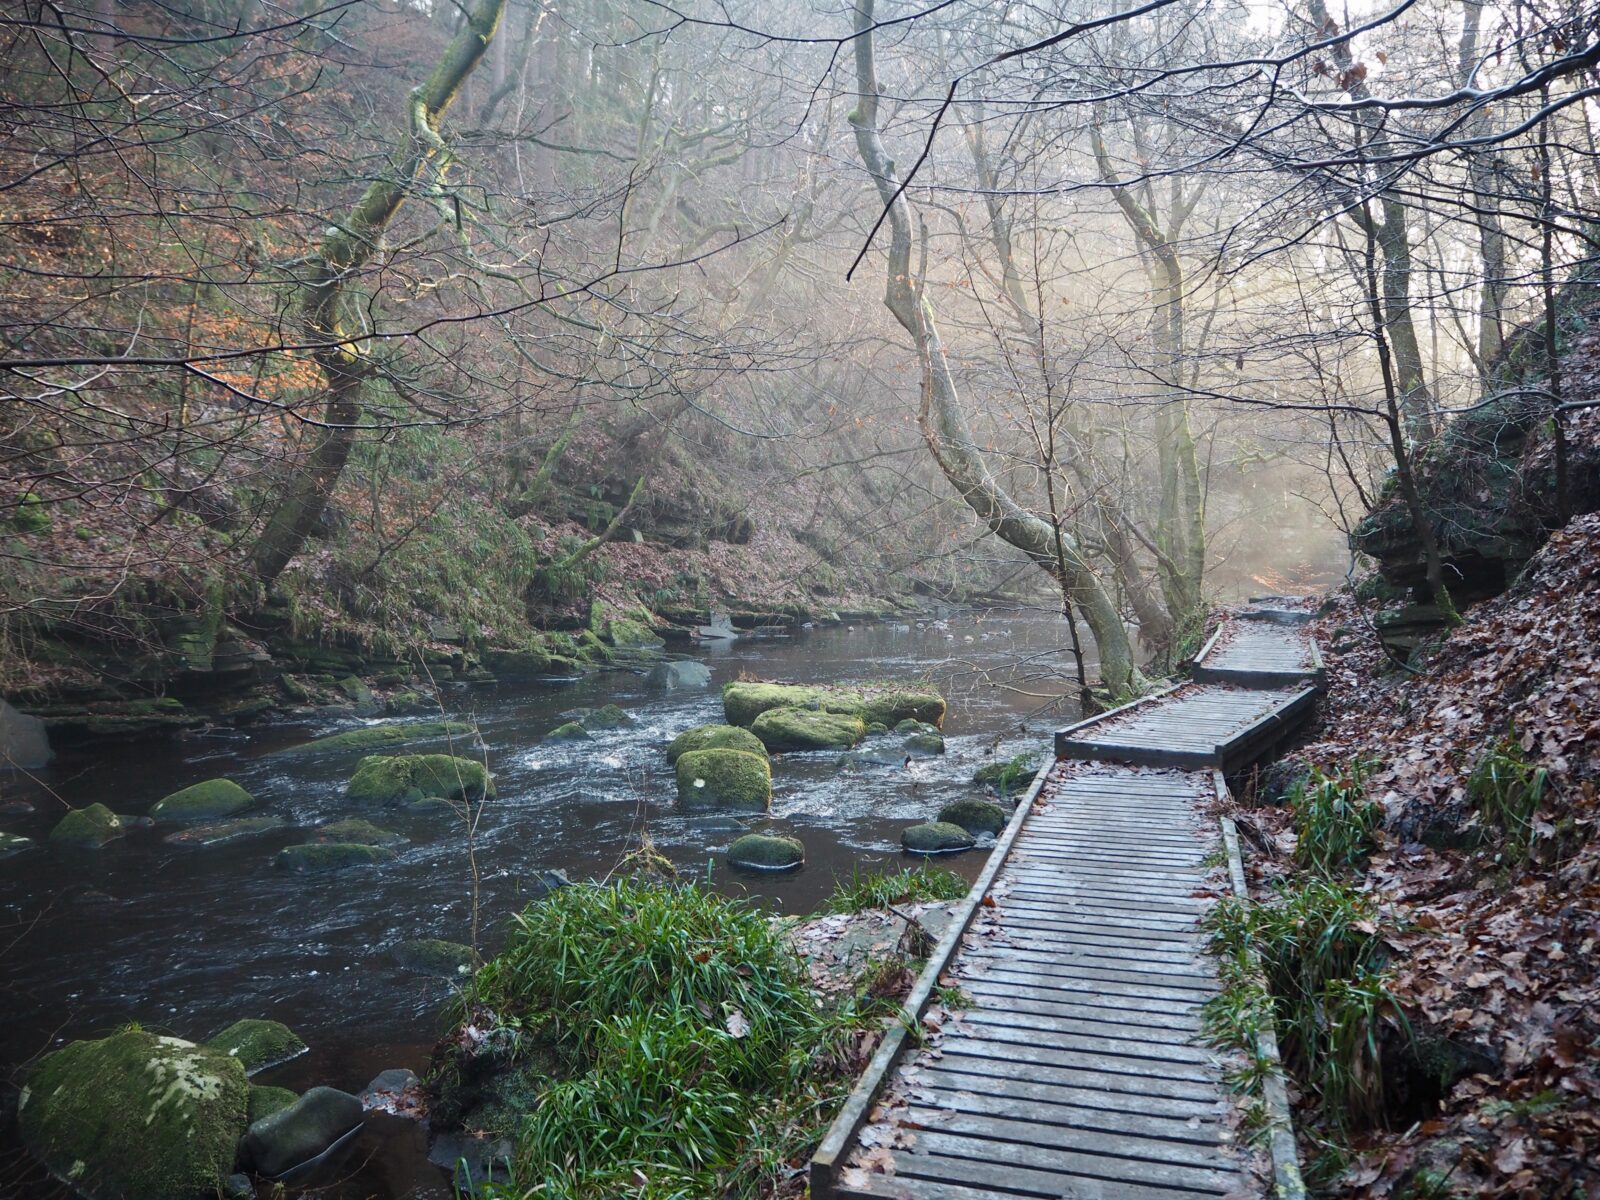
(264, 1101)
(356, 831)
(434, 956)
(743, 702)
(975, 816)
(807, 729)
(714, 737)
(89, 828)
(331, 856)
(724, 779)
(569, 731)
(209, 801)
(766, 852)
(936, 837)
(409, 777)
(224, 831)
(607, 716)
(136, 1117)
(257, 1044)
(924, 745)
(381, 737)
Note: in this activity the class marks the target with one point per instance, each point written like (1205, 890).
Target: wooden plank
(1083, 1106)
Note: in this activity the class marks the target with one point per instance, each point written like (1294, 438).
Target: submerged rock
(208, 801)
(807, 729)
(924, 745)
(724, 779)
(88, 828)
(406, 778)
(714, 737)
(569, 731)
(264, 1101)
(224, 831)
(381, 737)
(676, 676)
(331, 856)
(975, 816)
(294, 1136)
(258, 1044)
(354, 830)
(136, 1117)
(936, 837)
(434, 956)
(13, 843)
(767, 852)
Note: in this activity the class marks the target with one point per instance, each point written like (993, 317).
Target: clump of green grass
(693, 1057)
(1004, 777)
(1322, 962)
(1506, 790)
(1334, 821)
(872, 889)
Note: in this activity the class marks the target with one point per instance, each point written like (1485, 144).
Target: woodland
(358, 350)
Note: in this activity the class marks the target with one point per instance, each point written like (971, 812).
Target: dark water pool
(190, 939)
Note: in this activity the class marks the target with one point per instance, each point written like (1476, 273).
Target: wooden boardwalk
(1074, 1068)
(1260, 653)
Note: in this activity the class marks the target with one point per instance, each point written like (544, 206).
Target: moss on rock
(607, 716)
(381, 737)
(936, 837)
(1007, 775)
(975, 816)
(924, 744)
(355, 831)
(807, 729)
(409, 777)
(331, 856)
(714, 737)
(208, 801)
(257, 1044)
(264, 1101)
(224, 831)
(766, 852)
(136, 1117)
(570, 731)
(724, 779)
(90, 827)
(434, 956)
(743, 702)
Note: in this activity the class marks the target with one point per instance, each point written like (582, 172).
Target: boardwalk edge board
(841, 1135)
(1287, 1183)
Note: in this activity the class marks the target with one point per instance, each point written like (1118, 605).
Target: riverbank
(1444, 816)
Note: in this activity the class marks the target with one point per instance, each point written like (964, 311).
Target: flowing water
(187, 940)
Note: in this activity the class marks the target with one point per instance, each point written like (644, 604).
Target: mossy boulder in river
(136, 1117)
(209, 801)
(224, 831)
(570, 731)
(714, 737)
(88, 828)
(936, 837)
(924, 745)
(381, 737)
(807, 729)
(331, 856)
(607, 716)
(257, 1044)
(766, 852)
(434, 956)
(743, 702)
(975, 816)
(724, 779)
(361, 833)
(410, 777)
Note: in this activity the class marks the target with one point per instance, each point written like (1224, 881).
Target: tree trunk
(346, 248)
(941, 420)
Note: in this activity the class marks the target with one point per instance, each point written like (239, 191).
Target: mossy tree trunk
(346, 248)
(940, 418)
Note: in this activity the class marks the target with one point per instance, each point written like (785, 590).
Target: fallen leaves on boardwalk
(1495, 948)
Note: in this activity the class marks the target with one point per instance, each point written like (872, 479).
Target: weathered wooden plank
(1002, 1158)
(1150, 1117)
(1058, 1135)
(1171, 1014)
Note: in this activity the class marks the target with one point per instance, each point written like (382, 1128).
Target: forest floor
(1485, 865)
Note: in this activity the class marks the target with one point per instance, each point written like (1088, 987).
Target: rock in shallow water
(713, 737)
(136, 1117)
(936, 837)
(975, 816)
(434, 956)
(724, 779)
(88, 828)
(674, 676)
(361, 833)
(767, 852)
(294, 1136)
(807, 729)
(224, 831)
(331, 856)
(264, 1101)
(407, 778)
(257, 1044)
(208, 801)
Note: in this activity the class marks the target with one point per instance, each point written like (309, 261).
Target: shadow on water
(187, 940)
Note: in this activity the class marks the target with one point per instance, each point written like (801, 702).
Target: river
(187, 940)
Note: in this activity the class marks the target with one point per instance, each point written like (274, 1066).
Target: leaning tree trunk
(345, 249)
(940, 417)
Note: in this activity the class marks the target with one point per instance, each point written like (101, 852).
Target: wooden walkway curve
(1073, 1067)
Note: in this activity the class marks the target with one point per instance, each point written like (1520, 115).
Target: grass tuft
(866, 890)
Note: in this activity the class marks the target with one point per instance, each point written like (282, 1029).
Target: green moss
(257, 1044)
(91, 827)
(31, 515)
(924, 743)
(208, 801)
(743, 702)
(714, 737)
(409, 777)
(766, 852)
(357, 832)
(264, 1101)
(608, 716)
(975, 816)
(897, 705)
(435, 956)
(936, 837)
(381, 737)
(331, 856)
(1006, 776)
(724, 779)
(911, 726)
(807, 729)
(571, 731)
(136, 1116)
